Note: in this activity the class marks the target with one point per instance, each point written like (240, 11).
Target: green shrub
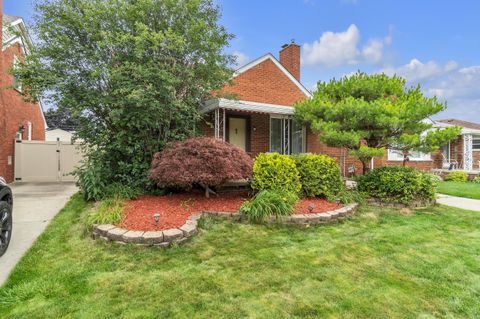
(457, 177)
(397, 184)
(435, 178)
(269, 203)
(319, 175)
(476, 180)
(109, 211)
(275, 172)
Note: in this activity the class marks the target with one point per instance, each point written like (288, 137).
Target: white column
(467, 152)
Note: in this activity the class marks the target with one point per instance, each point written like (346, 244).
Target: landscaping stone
(188, 230)
(170, 235)
(103, 229)
(164, 239)
(152, 237)
(116, 233)
(134, 237)
(165, 244)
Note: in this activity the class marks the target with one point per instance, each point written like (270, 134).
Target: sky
(432, 43)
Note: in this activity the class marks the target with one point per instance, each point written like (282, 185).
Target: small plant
(201, 161)
(319, 175)
(457, 177)
(109, 211)
(276, 172)
(435, 178)
(269, 203)
(476, 180)
(397, 185)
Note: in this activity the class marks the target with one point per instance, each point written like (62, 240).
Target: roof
(461, 123)
(12, 26)
(270, 56)
(246, 106)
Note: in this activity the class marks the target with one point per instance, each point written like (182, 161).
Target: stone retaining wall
(165, 238)
(415, 204)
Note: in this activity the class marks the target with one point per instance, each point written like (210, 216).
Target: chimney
(290, 58)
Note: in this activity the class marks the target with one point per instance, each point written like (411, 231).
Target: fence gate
(42, 161)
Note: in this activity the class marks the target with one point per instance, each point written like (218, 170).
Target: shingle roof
(461, 123)
(8, 19)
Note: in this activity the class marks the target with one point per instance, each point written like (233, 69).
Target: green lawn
(468, 190)
(381, 263)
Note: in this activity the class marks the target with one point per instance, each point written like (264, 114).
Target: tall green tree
(369, 113)
(134, 73)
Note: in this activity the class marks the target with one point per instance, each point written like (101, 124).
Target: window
(396, 155)
(17, 85)
(286, 136)
(476, 143)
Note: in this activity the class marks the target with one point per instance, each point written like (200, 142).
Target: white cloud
(457, 86)
(241, 58)
(415, 70)
(342, 48)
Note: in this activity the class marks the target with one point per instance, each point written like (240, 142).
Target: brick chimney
(290, 58)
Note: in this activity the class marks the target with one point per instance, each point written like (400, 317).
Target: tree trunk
(365, 166)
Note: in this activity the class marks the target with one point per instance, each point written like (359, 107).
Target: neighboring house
(58, 134)
(18, 119)
(258, 116)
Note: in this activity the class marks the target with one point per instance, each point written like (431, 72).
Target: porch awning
(238, 105)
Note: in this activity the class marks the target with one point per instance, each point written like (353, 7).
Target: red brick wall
(265, 83)
(16, 112)
(290, 59)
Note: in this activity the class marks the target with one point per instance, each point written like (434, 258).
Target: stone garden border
(415, 204)
(165, 238)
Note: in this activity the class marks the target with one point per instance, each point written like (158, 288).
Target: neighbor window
(396, 155)
(286, 136)
(17, 85)
(476, 143)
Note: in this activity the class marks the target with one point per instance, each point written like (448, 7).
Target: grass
(382, 263)
(461, 189)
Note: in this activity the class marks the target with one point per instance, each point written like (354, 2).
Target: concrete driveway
(34, 206)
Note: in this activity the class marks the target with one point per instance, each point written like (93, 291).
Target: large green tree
(369, 113)
(133, 72)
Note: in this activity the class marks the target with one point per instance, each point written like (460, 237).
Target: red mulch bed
(321, 205)
(175, 209)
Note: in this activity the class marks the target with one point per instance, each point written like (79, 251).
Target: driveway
(34, 206)
(459, 202)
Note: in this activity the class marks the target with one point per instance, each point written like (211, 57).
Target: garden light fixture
(156, 216)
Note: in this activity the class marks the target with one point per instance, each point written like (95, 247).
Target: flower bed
(179, 215)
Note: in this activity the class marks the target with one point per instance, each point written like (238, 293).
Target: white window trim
(285, 117)
(475, 137)
(16, 62)
(391, 158)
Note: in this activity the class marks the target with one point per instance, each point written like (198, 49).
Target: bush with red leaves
(202, 161)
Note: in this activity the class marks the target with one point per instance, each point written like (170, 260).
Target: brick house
(18, 119)
(258, 116)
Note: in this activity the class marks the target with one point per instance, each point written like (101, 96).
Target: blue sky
(434, 43)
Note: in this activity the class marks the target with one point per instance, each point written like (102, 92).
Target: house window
(476, 143)
(286, 136)
(17, 85)
(396, 155)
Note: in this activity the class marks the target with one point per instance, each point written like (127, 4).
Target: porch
(255, 127)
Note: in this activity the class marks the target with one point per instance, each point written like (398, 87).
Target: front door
(237, 132)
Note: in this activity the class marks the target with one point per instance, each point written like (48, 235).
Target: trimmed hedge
(398, 185)
(319, 175)
(275, 172)
(457, 177)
